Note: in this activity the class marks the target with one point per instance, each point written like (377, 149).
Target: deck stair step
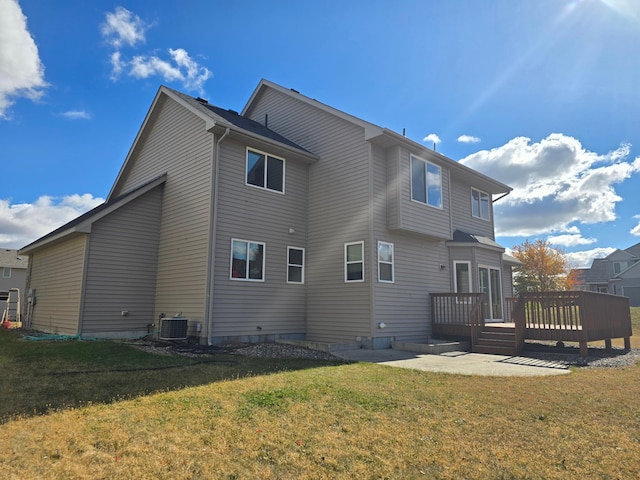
(496, 340)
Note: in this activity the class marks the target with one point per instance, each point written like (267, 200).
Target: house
(618, 273)
(289, 220)
(13, 268)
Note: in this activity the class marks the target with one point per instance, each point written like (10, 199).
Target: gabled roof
(10, 258)
(215, 119)
(633, 269)
(634, 250)
(598, 273)
(82, 224)
(580, 275)
(385, 137)
(617, 254)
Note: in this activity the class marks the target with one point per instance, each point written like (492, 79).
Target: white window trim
(361, 243)
(4, 272)
(426, 182)
(455, 275)
(392, 263)
(246, 170)
(264, 259)
(294, 265)
(481, 192)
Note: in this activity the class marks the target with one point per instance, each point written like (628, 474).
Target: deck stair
(496, 340)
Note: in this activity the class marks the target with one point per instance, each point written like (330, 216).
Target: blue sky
(540, 94)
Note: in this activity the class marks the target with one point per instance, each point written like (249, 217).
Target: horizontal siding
(338, 212)
(57, 279)
(272, 307)
(414, 216)
(461, 207)
(121, 271)
(175, 142)
(404, 305)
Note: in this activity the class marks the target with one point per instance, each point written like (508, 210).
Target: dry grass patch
(350, 421)
(329, 422)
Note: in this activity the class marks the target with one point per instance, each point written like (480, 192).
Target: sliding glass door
(490, 286)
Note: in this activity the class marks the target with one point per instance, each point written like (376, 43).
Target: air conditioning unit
(173, 328)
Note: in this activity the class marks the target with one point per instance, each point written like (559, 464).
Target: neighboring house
(292, 219)
(13, 272)
(618, 273)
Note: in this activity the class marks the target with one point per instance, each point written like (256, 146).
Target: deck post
(627, 343)
(607, 344)
(584, 351)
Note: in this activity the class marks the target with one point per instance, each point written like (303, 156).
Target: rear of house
(291, 220)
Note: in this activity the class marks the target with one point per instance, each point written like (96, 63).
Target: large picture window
(480, 204)
(426, 182)
(247, 260)
(265, 171)
(354, 262)
(385, 262)
(295, 265)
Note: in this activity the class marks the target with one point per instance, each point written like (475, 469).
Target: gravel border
(597, 357)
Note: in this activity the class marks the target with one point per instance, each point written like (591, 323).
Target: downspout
(212, 232)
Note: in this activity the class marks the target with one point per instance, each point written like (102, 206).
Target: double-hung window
(265, 171)
(247, 260)
(426, 182)
(6, 272)
(354, 262)
(295, 265)
(480, 204)
(385, 262)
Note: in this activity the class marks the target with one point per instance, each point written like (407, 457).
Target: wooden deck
(579, 316)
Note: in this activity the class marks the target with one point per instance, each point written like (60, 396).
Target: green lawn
(106, 410)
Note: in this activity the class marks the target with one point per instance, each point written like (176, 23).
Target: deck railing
(576, 316)
(457, 314)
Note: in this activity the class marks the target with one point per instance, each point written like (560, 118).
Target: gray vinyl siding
(338, 213)
(18, 280)
(462, 218)
(121, 271)
(177, 144)
(57, 275)
(403, 305)
(245, 308)
(409, 215)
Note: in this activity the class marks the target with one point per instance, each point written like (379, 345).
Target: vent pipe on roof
(266, 120)
(404, 133)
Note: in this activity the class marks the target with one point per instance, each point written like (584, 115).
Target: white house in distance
(289, 220)
(13, 272)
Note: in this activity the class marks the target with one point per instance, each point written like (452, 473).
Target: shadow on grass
(40, 377)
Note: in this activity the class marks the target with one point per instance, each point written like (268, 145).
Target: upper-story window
(619, 266)
(426, 182)
(265, 171)
(480, 204)
(6, 272)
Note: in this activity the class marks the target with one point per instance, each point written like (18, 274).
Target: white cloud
(432, 138)
(636, 230)
(556, 183)
(21, 71)
(124, 28)
(77, 115)
(585, 258)
(22, 223)
(468, 139)
(570, 240)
